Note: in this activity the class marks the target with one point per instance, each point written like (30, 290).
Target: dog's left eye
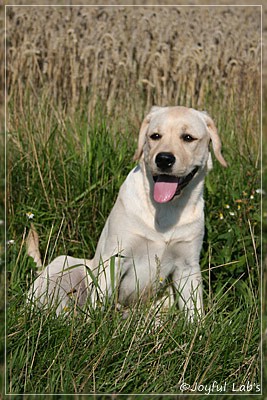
(187, 138)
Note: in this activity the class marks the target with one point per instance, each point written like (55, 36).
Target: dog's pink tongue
(165, 188)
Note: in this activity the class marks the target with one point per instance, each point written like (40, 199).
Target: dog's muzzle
(166, 187)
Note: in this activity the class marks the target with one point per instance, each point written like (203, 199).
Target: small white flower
(1, 222)
(232, 213)
(227, 206)
(252, 197)
(260, 191)
(10, 242)
(29, 215)
(221, 216)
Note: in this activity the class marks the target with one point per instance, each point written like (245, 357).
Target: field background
(79, 82)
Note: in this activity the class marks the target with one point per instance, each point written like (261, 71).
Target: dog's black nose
(165, 161)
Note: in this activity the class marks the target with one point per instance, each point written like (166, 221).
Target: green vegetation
(70, 188)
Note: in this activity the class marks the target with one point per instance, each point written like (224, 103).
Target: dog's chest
(175, 226)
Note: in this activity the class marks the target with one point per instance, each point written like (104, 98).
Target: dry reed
(128, 58)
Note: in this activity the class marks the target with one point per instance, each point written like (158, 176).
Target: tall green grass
(67, 172)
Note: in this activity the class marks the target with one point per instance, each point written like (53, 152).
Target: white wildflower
(29, 215)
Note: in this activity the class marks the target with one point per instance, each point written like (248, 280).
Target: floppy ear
(142, 138)
(216, 142)
(143, 131)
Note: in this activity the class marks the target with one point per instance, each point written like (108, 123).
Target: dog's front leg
(187, 282)
(107, 281)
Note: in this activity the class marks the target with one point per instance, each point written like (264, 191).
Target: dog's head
(174, 142)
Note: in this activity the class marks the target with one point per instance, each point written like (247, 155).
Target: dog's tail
(32, 246)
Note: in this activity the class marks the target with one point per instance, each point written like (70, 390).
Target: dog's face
(174, 142)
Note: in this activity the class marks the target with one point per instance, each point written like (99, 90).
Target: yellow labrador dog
(153, 236)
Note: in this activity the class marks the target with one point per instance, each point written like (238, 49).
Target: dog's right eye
(155, 136)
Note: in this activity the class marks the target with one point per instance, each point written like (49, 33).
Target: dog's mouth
(166, 187)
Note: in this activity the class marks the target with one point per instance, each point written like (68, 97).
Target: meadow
(80, 80)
